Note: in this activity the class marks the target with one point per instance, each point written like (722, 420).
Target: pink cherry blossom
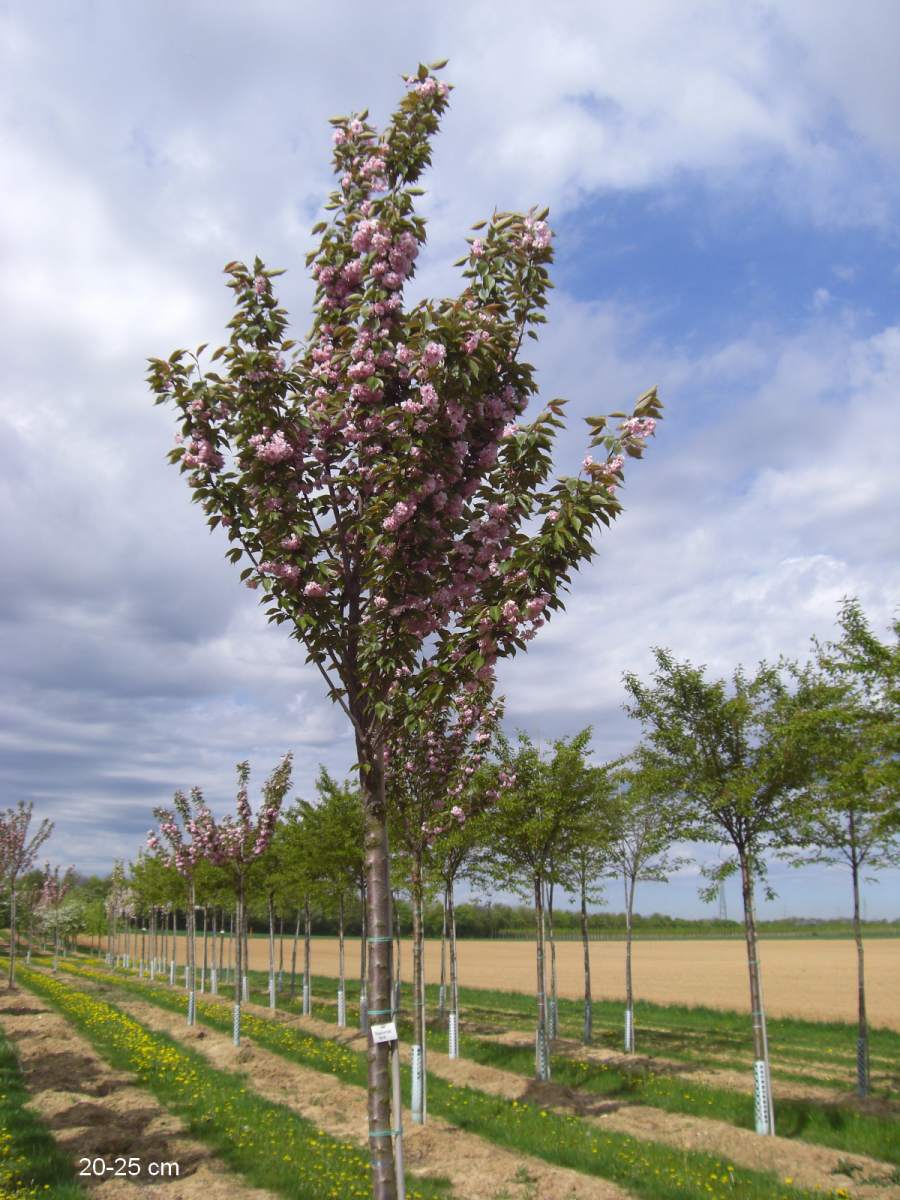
(639, 427)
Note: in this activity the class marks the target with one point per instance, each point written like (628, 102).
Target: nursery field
(807, 978)
(674, 1122)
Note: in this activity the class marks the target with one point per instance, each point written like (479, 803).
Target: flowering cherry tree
(118, 899)
(428, 776)
(54, 889)
(183, 856)
(17, 855)
(378, 482)
(232, 843)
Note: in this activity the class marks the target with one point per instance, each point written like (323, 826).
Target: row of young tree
(42, 896)
(796, 761)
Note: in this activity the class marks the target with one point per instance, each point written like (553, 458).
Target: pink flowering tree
(117, 899)
(18, 852)
(54, 889)
(378, 483)
(428, 776)
(172, 846)
(232, 843)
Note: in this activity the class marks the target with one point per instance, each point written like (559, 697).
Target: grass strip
(702, 1058)
(673, 1021)
(837, 1126)
(691, 1052)
(840, 1127)
(268, 1144)
(32, 1166)
(670, 1028)
(645, 1168)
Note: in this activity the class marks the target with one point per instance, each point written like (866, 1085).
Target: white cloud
(739, 537)
(139, 161)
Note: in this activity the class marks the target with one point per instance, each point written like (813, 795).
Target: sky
(724, 183)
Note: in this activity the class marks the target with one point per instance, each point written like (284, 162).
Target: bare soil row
(96, 1111)
(443, 1150)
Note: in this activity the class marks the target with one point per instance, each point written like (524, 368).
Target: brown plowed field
(809, 978)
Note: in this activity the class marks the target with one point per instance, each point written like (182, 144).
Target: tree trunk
(765, 1116)
(363, 946)
(238, 924)
(293, 991)
(862, 1037)
(11, 975)
(442, 991)
(418, 1041)
(219, 976)
(454, 974)
(307, 958)
(191, 954)
(587, 1033)
(245, 935)
(280, 952)
(423, 1008)
(398, 971)
(203, 974)
(542, 1049)
(342, 992)
(232, 943)
(553, 1030)
(378, 909)
(271, 906)
(629, 989)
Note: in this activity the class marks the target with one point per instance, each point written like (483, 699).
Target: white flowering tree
(18, 852)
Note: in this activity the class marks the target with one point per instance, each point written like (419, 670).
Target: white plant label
(384, 1033)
